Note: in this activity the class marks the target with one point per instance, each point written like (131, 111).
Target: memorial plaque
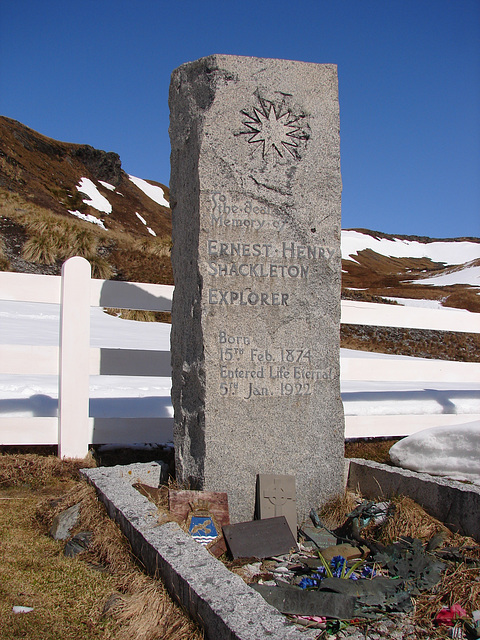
(259, 538)
(180, 504)
(255, 195)
(276, 497)
(320, 538)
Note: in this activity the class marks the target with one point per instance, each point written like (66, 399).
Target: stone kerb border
(453, 503)
(224, 605)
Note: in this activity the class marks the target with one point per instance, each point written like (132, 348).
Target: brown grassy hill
(39, 177)
(373, 276)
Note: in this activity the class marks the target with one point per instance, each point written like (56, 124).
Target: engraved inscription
(249, 260)
(247, 297)
(247, 371)
(246, 215)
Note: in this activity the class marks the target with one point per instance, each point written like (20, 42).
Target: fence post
(73, 395)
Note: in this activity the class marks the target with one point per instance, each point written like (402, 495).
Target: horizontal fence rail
(73, 361)
(392, 315)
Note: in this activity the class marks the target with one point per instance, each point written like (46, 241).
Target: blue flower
(368, 572)
(308, 583)
(313, 581)
(338, 563)
(319, 575)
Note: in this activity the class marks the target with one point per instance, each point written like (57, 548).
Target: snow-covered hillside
(459, 258)
(405, 269)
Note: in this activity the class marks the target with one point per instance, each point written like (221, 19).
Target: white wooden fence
(74, 361)
(375, 422)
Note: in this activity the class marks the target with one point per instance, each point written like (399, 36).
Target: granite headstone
(255, 194)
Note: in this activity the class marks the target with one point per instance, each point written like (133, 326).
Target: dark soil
(440, 345)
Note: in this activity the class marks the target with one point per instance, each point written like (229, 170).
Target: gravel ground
(398, 628)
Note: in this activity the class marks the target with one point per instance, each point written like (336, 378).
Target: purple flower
(338, 563)
(368, 572)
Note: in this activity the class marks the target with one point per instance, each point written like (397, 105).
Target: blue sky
(98, 72)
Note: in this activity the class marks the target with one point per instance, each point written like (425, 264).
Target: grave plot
(363, 570)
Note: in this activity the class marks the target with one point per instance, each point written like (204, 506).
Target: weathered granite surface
(256, 195)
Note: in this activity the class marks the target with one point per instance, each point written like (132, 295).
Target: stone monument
(255, 194)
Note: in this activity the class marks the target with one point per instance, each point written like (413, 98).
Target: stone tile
(276, 497)
(293, 600)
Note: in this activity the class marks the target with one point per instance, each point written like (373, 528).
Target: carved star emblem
(275, 130)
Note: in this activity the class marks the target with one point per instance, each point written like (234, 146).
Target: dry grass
(101, 268)
(409, 520)
(159, 247)
(441, 345)
(375, 449)
(142, 607)
(459, 585)
(66, 595)
(137, 315)
(334, 512)
(4, 261)
(148, 613)
(52, 238)
(71, 598)
(34, 472)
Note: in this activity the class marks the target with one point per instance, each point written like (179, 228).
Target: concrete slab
(223, 604)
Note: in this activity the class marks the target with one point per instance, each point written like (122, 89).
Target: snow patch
(36, 395)
(442, 251)
(108, 186)
(150, 190)
(88, 218)
(453, 452)
(97, 201)
(413, 302)
(469, 275)
(149, 229)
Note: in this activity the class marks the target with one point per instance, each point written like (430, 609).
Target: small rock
(20, 609)
(282, 571)
(64, 522)
(348, 551)
(113, 601)
(78, 544)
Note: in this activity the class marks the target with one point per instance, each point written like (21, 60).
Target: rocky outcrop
(104, 165)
